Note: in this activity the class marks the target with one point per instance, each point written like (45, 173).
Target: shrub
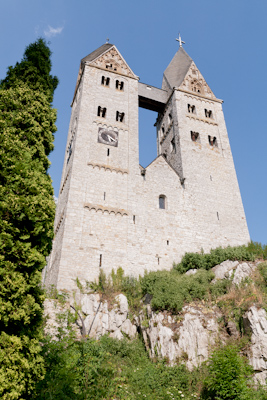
(259, 250)
(170, 290)
(228, 375)
(215, 257)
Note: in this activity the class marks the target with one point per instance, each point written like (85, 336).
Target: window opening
(210, 177)
(108, 152)
(172, 146)
(104, 195)
(208, 113)
(105, 81)
(213, 141)
(120, 116)
(195, 86)
(119, 85)
(101, 111)
(191, 109)
(100, 260)
(218, 215)
(158, 260)
(168, 243)
(194, 136)
(169, 118)
(162, 202)
(111, 67)
(134, 219)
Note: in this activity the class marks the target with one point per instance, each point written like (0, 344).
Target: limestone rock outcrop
(187, 337)
(226, 269)
(94, 317)
(255, 321)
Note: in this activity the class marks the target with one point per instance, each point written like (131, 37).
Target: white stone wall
(108, 214)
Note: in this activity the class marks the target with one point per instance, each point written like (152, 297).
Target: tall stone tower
(111, 211)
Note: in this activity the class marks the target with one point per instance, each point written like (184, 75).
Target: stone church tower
(113, 212)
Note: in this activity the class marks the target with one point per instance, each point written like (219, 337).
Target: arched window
(162, 202)
(196, 86)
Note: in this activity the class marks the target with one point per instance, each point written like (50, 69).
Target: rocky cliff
(188, 336)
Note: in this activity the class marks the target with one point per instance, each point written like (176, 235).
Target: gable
(194, 82)
(112, 60)
(162, 164)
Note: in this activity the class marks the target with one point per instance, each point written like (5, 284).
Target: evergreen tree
(27, 208)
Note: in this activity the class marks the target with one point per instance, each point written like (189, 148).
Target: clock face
(108, 137)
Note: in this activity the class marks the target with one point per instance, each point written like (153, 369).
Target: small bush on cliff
(228, 376)
(171, 290)
(215, 257)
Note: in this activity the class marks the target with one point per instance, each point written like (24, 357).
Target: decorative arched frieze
(104, 209)
(108, 168)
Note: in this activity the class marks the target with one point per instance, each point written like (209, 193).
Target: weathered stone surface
(242, 271)
(94, 317)
(255, 320)
(232, 329)
(225, 269)
(191, 271)
(261, 377)
(129, 329)
(190, 341)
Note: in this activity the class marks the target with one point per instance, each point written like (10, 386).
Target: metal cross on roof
(180, 40)
(107, 40)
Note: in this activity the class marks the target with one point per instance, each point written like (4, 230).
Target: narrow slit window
(134, 219)
(104, 195)
(162, 202)
(218, 215)
(100, 260)
(108, 152)
(168, 242)
(172, 146)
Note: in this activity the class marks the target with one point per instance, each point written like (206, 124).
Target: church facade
(111, 211)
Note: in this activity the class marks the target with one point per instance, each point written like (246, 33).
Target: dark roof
(177, 69)
(96, 53)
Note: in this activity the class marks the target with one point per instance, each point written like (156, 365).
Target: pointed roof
(96, 53)
(176, 71)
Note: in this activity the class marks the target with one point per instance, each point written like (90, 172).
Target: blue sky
(226, 39)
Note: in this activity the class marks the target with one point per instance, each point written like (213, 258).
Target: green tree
(27, 125)
(34, 69)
